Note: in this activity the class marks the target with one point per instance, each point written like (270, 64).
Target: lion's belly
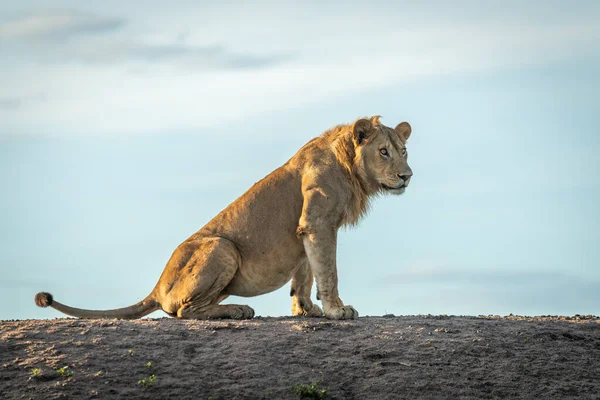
(262, 275)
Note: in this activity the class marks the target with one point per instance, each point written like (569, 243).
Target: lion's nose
(405, 178)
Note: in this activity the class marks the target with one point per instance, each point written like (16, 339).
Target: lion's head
(381, 155)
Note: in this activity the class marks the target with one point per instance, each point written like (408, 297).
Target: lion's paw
(301, 310)
(344, 312)
(315, 311)
(243, 312)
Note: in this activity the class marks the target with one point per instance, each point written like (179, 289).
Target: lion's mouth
(390, 188)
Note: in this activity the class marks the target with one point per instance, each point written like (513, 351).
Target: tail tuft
(43, 299)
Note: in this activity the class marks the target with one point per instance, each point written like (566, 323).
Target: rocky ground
(407, 357)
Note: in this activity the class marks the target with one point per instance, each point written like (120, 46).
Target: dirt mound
(286, 358)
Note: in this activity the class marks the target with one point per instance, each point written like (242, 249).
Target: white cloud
(9, 103)
(65, 36)
(57, 24)
(142, 85)
(446, 274)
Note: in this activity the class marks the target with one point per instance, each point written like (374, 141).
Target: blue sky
(124, 127)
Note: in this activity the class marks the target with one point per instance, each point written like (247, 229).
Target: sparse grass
(65, 372)
(147, 382)
(128, 354)
(37, 374)
(311, 391)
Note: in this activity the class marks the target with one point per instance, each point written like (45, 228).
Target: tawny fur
(284, 227)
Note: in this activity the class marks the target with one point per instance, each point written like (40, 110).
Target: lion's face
(383, 155)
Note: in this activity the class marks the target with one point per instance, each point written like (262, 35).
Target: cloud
(9, 103)
(74, 36)
(232, 66)
(199, 57)
(59, 24)
(432, 273)
(438, 288)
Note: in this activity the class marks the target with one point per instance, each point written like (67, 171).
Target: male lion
(284, 227)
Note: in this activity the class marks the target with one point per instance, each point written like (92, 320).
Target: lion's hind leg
(300, 292)
(216, 311)
(209, 275)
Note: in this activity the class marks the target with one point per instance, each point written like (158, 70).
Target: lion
(283, 228)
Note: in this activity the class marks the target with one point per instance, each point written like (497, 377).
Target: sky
(126, 126)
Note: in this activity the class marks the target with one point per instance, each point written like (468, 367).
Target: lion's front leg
(318, 229)
(300, 292)
(320, 250)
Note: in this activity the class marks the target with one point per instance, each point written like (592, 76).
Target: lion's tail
(144, 307)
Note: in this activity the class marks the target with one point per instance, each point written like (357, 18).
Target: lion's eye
(403, 152)
(384, 152)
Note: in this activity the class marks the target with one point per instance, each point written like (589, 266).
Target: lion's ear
(361, 131)
(403, 129)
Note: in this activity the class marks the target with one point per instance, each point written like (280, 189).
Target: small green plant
(312, 391)
(148, 364)
(147, 382)
(65, 372)
(36, 371)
